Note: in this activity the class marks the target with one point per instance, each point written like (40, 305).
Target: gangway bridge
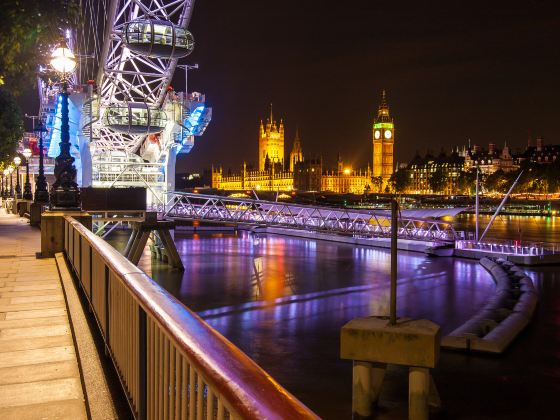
(361, 223)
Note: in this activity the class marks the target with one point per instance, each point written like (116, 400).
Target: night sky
(488, 71)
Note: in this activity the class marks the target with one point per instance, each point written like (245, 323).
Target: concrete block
(52, 230)
(453, 342)
(35, 210)
(409, 342)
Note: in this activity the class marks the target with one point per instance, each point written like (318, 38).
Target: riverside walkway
(39, 374)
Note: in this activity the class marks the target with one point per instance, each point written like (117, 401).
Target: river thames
(283, 300)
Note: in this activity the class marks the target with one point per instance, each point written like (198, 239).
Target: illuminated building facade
(296, 155)
(271, 143)
(446, 167)
(271, 174)
(383, 142)
(269, 179)
(274, 173)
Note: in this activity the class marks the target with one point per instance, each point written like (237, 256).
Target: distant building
(540, 153)
(345, 180)
(274, 173)
(308, 174)
(271, 174)
(383, 142)
(488, 160)
(269, 179)
(271, 143)
(420, 170)
(296, 156)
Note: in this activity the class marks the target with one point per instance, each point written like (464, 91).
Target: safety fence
(171, 363)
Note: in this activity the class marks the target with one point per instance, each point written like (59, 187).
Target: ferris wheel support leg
(170, 173)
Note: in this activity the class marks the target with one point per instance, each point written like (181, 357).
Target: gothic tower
(383, 142)
(271, 142)
(296, 155)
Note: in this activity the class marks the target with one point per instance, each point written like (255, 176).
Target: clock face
(388, 134)
(377, 134)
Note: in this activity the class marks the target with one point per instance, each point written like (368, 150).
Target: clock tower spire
(383, 141)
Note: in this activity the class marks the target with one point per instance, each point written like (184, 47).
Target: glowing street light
(27, 194)
(17, 162)
(10, 171)
(63, 60)
(64, 192)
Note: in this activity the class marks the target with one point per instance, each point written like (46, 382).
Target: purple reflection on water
(289, 319)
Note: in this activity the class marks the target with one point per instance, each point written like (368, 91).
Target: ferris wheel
(130, 124)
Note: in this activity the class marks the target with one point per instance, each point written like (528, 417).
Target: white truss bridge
(361, 223)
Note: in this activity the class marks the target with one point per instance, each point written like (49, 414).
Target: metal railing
(509, 247)
(297, 216)
(172, 364)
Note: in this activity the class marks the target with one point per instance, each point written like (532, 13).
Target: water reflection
(513, 227)
(241, 279)
(289, 320)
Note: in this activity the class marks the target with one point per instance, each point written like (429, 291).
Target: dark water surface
(288, 318)
(289, 321)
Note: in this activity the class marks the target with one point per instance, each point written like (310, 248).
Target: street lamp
(27, 194)
(41, 192)
(17, 162)
(3, 193)
(64, 192)
(10, 171)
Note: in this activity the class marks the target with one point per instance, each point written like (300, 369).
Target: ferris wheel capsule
(157, 38)
(135, 118)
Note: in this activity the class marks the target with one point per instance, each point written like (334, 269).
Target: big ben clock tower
(383, 141)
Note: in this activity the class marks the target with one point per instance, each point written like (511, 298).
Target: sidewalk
(39, 375)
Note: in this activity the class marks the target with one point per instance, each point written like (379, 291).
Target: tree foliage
(377, 182)
(11, 125)
(28, 31)
(437, 180)
(400, 180)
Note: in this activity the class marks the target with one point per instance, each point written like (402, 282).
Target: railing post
(142, 364)
(90, 276)
(107, 340)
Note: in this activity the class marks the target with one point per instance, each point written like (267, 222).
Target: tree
(467, 182)
(377, 182)
(11, 125)
(28, 31)
(498, 182)
(437, 180)
(400, 180)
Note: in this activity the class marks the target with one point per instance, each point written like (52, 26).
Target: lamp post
(17, 162)
(10, 171)
(3, 193)
(41, 192)
(64, 194)
(27, 194)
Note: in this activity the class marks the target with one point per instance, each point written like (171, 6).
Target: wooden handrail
(248, 389)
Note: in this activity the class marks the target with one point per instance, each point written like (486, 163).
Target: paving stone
(20, 344)
(40, 392)
(58, 410)
(40, 313)
(40, 372)
(45, 331)
(37, 356)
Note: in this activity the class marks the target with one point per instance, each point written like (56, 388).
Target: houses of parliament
(274, 173)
